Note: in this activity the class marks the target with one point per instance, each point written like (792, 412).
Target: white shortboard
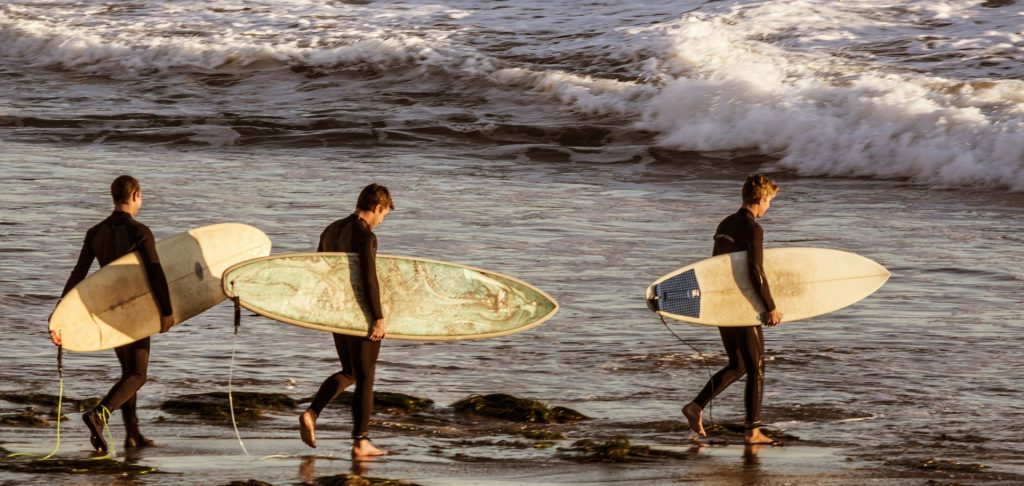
(804, 282)
(114, 306)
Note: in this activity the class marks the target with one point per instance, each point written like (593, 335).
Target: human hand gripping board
(114, 306)
(422, 299)
(805, 282)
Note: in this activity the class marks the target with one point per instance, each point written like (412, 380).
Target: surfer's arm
(368, 264)
(155, 273)
(81, 269)
(755, 262)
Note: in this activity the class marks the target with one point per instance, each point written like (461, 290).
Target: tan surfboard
(804, 282)
(425, 300)
(114, 306)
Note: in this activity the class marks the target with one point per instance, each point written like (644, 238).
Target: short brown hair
(758, 187)
(122, 188)
(372, 195)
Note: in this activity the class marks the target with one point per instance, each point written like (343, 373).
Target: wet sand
(437, 446)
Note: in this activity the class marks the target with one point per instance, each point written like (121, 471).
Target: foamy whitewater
(925, 91)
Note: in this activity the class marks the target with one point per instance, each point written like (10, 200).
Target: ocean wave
(927, 92)
(823, 116)
(44, 44)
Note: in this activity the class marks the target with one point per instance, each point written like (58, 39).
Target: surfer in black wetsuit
(114, 237)
(358, 354)
(743, 345)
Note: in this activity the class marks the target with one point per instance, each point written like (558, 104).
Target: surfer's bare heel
(694, 419)
(307, 428)
(137, 442)
(362, 448)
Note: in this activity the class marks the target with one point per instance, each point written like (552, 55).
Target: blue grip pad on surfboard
(680, 295)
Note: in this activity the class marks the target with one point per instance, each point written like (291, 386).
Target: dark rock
(507, 407)
(565, 415)
(28, 418)
(75, 466)
(392, 402)
(215, 406)
(356, 480)
(618, 449)
(388, 401)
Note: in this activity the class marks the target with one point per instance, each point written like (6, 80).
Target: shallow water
(923, 368)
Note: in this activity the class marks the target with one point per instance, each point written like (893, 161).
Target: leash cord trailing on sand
(711, 417)
(231, 372)
(60, 404)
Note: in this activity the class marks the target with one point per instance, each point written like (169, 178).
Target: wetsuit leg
(362, 354)
(131, 420)
(731, 337)
(338, 382)
(751, 349)
(134, 360)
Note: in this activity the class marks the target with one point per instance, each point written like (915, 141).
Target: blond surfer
(358, 354)
(743, 345)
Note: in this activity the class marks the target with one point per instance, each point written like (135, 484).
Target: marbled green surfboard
(421, 299)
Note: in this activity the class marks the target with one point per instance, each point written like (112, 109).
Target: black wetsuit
(743, 345)
(112, 238)
(358, 354)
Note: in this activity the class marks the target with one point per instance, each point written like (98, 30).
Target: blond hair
(758, 187)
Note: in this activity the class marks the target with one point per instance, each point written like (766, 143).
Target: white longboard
(425, 300)
(114, 306)
(804, 282)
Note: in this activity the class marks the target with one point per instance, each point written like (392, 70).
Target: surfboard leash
(60, 404)
(105, 417)
(711, 417)
(231, 371)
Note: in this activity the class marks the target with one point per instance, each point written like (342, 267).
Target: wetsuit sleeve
(81, 269)
(155, 272)
(755, 262)
(368, 268)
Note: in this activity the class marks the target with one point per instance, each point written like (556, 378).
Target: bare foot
(693, 414)
(754, 436)
(364, 449)
(307, 427)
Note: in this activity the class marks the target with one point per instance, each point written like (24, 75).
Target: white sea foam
(824, 116)
(928, 91)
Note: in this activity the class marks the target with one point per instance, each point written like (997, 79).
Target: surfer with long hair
(114, 237)
(358, 354)
(743, 345)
